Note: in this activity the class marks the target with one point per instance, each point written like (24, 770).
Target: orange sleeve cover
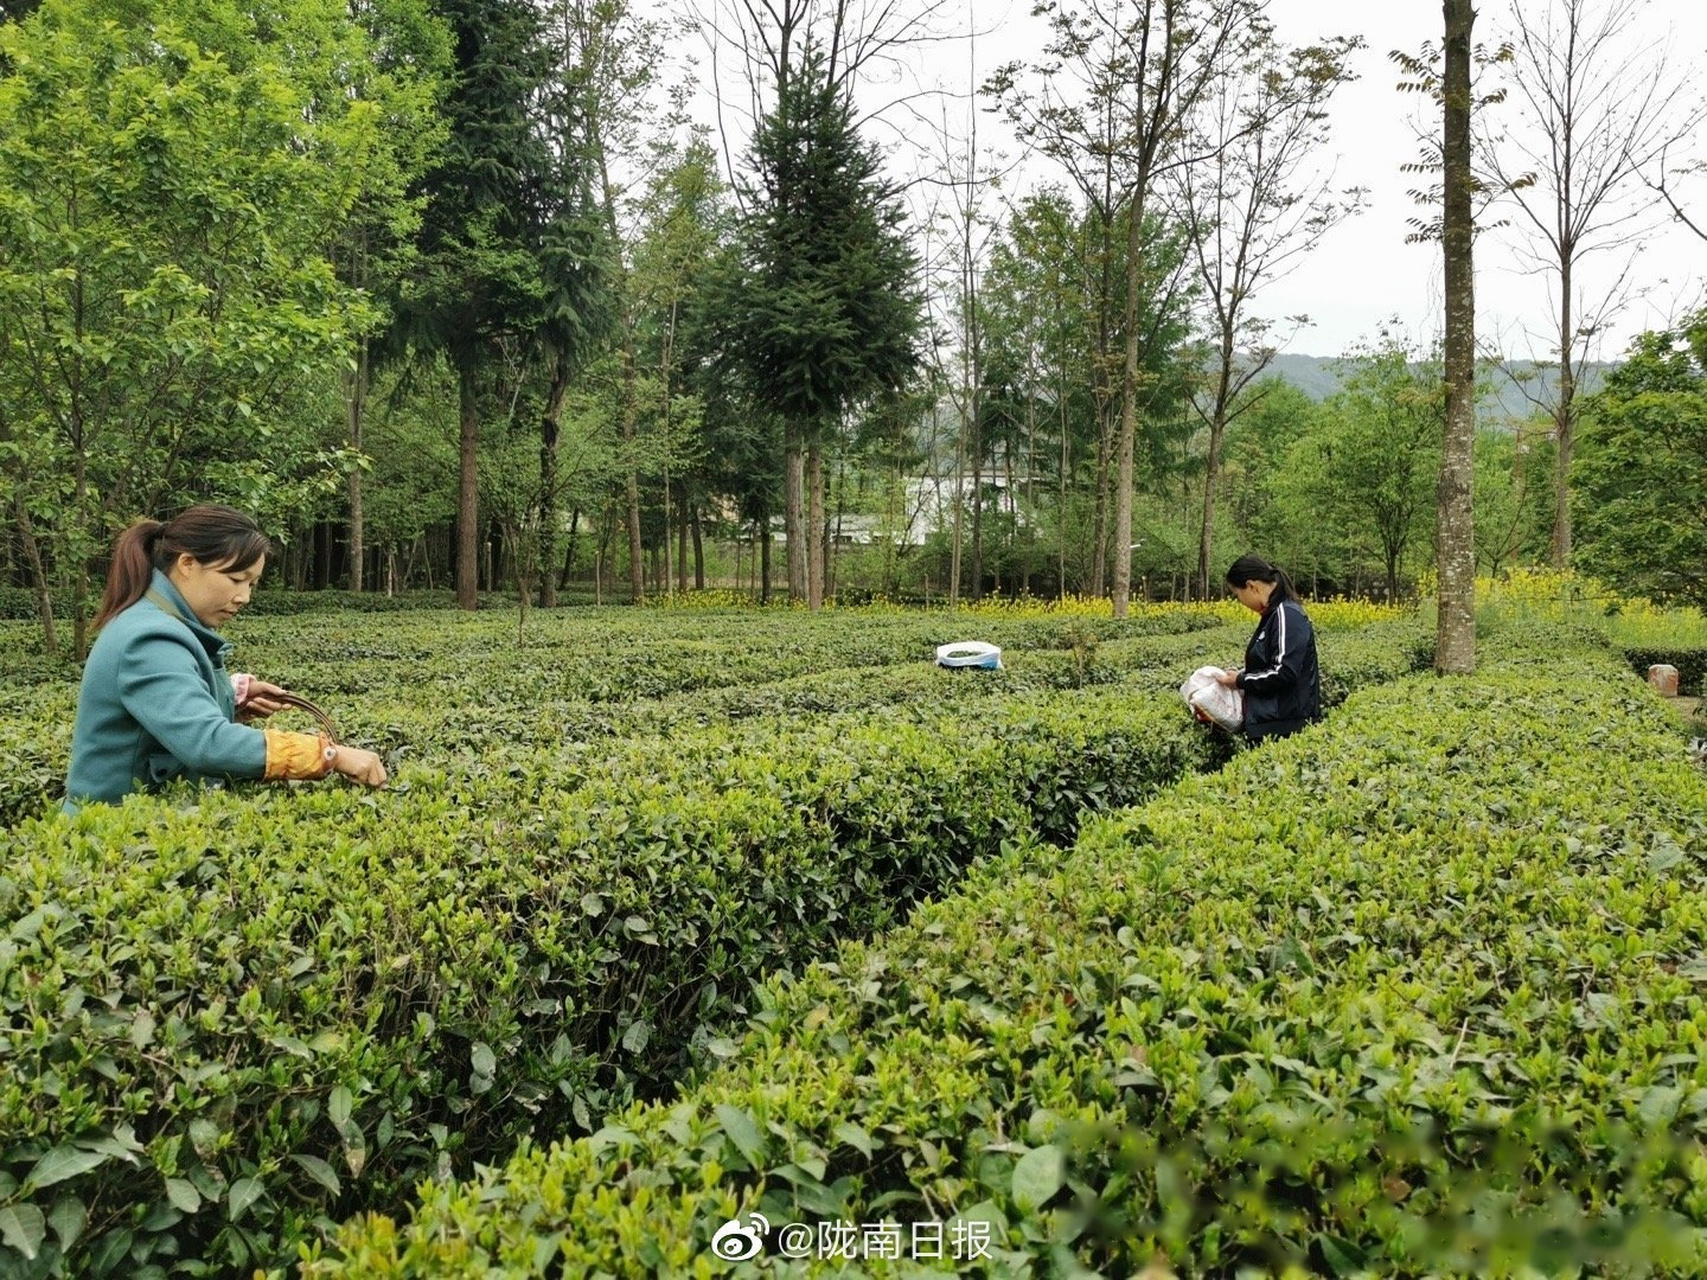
(295, 755)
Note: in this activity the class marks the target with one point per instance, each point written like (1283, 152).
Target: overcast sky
(1362, 275)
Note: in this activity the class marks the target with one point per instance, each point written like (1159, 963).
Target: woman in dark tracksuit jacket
(1281, 678)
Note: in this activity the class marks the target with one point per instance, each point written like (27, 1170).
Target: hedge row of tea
(436, 685)
(1419, 991)
(446, 690)
(233, 1018)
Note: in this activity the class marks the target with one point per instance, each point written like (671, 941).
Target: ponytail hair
(1248, 569)
(211, 534)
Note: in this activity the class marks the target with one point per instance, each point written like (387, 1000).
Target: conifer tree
(828, 312)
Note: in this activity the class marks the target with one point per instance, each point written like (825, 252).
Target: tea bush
(233, 1018)
(1417, 991)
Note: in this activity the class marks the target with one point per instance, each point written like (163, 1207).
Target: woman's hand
(1228, 678)
(360, 766)
(260, 702)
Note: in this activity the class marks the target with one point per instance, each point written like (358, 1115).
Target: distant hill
(1510, 399)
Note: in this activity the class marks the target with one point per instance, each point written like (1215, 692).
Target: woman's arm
(161, 686)
(1291, 642)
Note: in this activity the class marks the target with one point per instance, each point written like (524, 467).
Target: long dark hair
(212, 534)
(1248, 569)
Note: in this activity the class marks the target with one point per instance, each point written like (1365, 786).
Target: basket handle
(303, 704)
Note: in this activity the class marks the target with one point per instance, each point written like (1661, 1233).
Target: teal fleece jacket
(156, 703)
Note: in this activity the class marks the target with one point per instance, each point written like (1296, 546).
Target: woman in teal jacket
(157, 701)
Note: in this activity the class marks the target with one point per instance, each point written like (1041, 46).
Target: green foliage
(1639, 474)
(234, 1017)
(826, 310)
(1366, 476)
(1413, 992)
(168, 191)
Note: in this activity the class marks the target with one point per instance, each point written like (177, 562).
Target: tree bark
(1127, 441)
(1455, 635)
(355, 405)
(38, 574)
(468, 490)
(1564, 424)
(699, 553)
(815, 526)
(793, 511)
(550, 430)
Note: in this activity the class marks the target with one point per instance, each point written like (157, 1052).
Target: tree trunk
(682, 542)
(550, 429)
(80, 567)
(468, 489)
(815, 526)
(1455, 637)
(793, 511)
(355, 407)
(569, 550)
(699, 553)
(1564, 425)
(1127, 443)
(959, 517)
(765, 561)
(631, 486)
(38, 575)
(1217, 431)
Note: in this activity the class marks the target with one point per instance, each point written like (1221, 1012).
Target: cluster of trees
(450, 291)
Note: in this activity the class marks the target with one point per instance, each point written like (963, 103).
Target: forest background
(576, 300)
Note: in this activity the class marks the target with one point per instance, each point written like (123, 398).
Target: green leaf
(64, 1162)
(244, 1192)
(338, 1106)
(484, 1061)
(319, 1170)
(638, 1034)
(204, 1137)
(68, 1219)
(855, 1137)
(1659, 1104)
(749, 1140)
(183, 1194)
(24, 1228)
(1038, 1175)
(1342, 1255)
(111, 1252)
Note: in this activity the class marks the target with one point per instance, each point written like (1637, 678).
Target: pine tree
(478, 277)
(828, 315)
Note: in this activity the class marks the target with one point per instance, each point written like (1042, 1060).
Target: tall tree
(1455, 634)
(613, 55)
(1640, 480)
(402, 80)
(687, 224)
(164, 215)
(1371, 465)
(829, 315)
(477, 277)
(1144, 68)
(1255, 202)
(1595, 104)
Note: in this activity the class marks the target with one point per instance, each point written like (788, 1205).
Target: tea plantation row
(434, 684)
(234, 1018)
(1419, 991)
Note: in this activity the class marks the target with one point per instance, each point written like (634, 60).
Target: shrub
(1417, 990)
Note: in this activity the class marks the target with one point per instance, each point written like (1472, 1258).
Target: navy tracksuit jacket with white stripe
(1282, 679)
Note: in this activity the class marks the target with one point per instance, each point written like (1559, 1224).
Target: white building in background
(927, 505)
